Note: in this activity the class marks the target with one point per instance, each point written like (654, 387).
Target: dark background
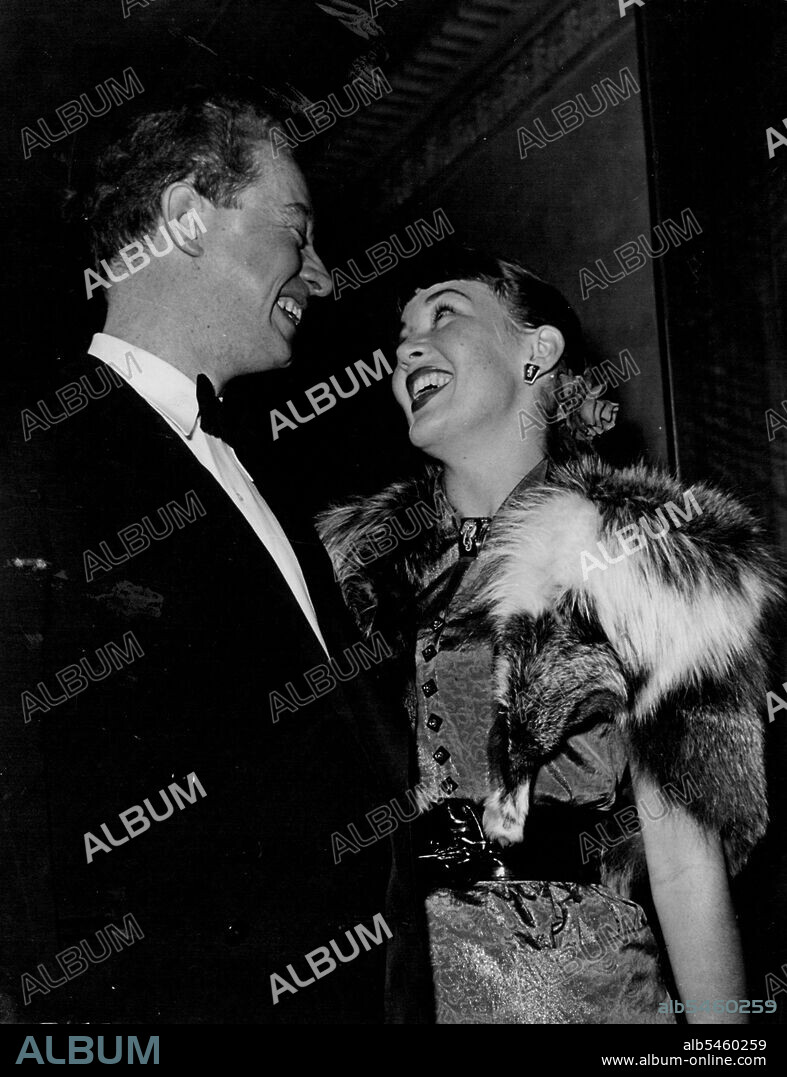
(705, 323)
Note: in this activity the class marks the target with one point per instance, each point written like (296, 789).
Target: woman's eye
(440, 310)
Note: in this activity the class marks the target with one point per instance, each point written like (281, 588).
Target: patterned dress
(520, 950)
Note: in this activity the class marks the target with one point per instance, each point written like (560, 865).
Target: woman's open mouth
(425, 383)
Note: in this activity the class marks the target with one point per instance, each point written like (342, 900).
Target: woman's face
(460, 365)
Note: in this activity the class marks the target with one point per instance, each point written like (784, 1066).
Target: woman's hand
(690, 888)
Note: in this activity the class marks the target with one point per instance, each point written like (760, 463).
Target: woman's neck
(479, 488)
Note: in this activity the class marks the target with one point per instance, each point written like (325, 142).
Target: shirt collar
(171, 392)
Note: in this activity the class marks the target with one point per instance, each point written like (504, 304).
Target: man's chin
(273, 355)
(282, 362)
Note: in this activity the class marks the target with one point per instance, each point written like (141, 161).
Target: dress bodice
(536, 950)
(455, 692)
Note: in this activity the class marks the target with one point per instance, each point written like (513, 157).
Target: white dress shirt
(173, 395)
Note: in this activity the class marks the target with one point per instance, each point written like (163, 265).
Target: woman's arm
(690, 888)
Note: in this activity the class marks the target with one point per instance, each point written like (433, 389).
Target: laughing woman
(586, 651)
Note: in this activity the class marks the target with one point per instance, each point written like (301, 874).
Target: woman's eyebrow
(436, 295)
(445, 291)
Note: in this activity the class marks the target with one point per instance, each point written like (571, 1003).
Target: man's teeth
(430, 379)
(293, 311)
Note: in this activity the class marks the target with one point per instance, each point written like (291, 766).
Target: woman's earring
(531, 372)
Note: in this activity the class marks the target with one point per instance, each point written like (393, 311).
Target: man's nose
(315, 274)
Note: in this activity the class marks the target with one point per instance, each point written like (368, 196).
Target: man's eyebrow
(436, 295)
(305, 210)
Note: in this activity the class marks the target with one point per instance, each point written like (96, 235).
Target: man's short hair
(210, 141)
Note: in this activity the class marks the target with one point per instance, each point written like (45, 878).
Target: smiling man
(144, 527)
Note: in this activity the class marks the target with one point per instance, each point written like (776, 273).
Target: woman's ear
(548, 347)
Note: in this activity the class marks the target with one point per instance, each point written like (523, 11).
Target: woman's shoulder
(590, 520)
(678, 585)
(381, 545)
(626, 492)
(349, 523)
(623, 494)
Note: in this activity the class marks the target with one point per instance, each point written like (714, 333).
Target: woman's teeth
(430, 379)
(292, 309)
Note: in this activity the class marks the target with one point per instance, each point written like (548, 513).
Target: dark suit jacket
(241, 883)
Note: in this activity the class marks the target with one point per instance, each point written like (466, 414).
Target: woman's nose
(409, 350)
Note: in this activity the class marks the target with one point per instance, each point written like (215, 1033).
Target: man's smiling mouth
(423, 384)
(292, 309)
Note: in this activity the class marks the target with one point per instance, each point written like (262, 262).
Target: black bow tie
(210, 408)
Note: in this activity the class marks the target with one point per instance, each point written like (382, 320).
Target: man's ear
(182, 209)
(548, 346)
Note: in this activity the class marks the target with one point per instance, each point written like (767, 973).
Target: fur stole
(608, 594)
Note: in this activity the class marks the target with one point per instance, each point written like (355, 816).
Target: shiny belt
(453, 850)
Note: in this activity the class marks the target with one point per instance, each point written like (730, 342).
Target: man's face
(261, 270)
(459, 366)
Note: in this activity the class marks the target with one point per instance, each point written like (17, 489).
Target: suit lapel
(159, 454)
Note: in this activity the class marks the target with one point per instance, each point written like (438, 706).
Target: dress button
(429, 688)
(429, 652)
(448, 784)
(434, 721)
(437, 623)
(441, 755)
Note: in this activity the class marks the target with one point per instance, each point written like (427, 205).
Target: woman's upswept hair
(529, 301)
